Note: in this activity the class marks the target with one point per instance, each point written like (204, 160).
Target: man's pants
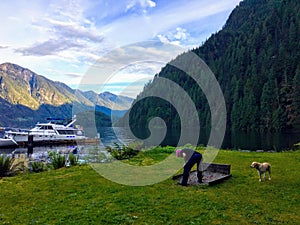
(195, 158)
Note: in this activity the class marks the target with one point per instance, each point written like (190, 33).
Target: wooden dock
(31, 143)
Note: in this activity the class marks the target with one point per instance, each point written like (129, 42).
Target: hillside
(255, 58)
(27, 98)
(24, 87)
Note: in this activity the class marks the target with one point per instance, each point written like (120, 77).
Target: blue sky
(66, 40)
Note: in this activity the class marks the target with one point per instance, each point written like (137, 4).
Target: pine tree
(294, 118)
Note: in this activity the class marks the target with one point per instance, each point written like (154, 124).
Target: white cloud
(176, 37)
(144, 4)
(74, 30)
(59, 38)
(66, 10)
(49, 47)
(181, 34)
(133, 64)
(174, 14)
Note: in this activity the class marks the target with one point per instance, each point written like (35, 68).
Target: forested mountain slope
(255, 58)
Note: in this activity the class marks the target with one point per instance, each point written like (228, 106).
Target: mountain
(26, 98)
(109, 100)
(255, 58)
(22, 86)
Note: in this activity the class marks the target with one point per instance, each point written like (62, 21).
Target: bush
(38, 167)
(120, 152)
(136, 145)
(57, 160)
(73, 160)
(8, 167)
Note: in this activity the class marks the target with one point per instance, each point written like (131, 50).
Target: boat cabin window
(66, 132)
(46, 127)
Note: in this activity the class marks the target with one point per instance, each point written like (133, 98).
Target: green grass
(79, 195)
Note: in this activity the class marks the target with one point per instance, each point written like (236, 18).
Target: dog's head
(254, 165)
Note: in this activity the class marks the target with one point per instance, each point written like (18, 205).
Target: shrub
(57, 160)
(120, 152)
(8, 167)
(38, 167)
(136, 145)
(73, 160)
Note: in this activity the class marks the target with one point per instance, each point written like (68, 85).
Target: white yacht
(53, 131)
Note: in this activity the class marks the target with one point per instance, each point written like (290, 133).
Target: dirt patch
(214, 174)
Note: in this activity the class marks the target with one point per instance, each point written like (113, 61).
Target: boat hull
(7, 142)
(41, 138)
(47, 139)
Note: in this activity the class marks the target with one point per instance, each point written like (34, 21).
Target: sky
(105, 45)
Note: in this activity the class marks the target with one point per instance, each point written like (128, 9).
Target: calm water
(109, 136)
(239, 140)
(257, 141)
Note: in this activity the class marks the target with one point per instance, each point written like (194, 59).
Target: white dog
(262, 168)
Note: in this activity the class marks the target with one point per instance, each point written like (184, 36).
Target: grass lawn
(79, 195)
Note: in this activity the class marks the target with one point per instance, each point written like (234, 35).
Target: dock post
(30, 145)
(30, 141)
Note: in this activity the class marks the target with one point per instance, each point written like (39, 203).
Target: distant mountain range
(26, 98)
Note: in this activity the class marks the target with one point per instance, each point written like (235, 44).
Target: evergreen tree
(294, 117)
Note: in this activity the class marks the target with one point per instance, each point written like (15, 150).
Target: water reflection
(260, 141)
(232, 140)
(120, 135)
(109, 136)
